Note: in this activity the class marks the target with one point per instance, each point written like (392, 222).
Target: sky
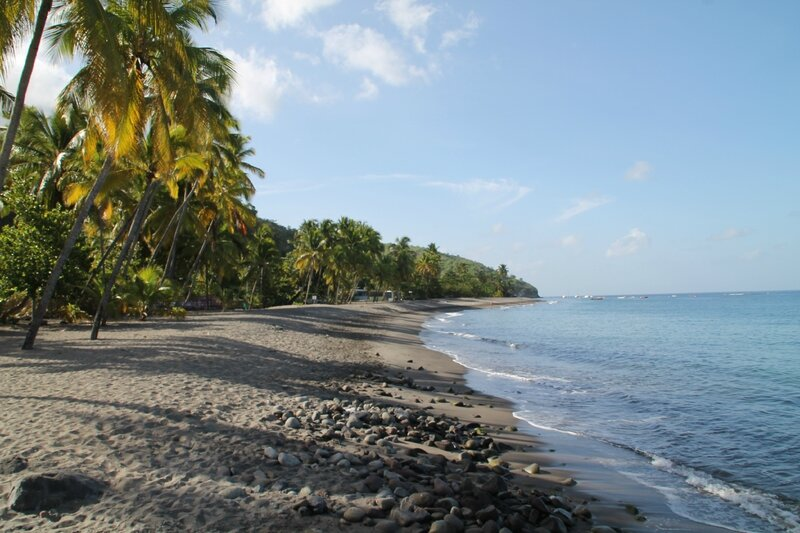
(594, 147)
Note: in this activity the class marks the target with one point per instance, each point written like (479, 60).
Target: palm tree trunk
(133, 235)
(169, 267)
(190, 279)
(308, 287)
(50, 287)
(24, 80)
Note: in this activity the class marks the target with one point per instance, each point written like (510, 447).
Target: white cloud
(498, 228)
(467, 30)
(640, 171)
(410, 17)
(278, 14)
(569, 241)
(729, 234)
(369, 91)
(581, 205)
(358, 48)
(260, 84)
(506, 192)
(47, 81)
(631, 243)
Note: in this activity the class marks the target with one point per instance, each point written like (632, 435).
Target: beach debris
(37, 492)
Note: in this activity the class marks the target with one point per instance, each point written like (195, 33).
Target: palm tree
(309, 247)
(428, 268)
(145, 60)
(89, 33)
(15, 19)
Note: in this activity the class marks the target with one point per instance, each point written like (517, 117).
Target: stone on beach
(37, 492)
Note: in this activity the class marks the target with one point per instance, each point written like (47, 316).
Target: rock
(420, 499)
(317, 504)
(354, 514)
(37, 492)
(233, 493)
(487, 513)
(494, 485)
(259, 478)
(440, 526)
(407, 518)
(373, 482)
(490, 526)
(455, 523)
(293, 423)
(270, 452)
(287, 459)
(565, 516)
(370, 439)
(603, 529)
(532, 468)
(582, 511)
(305, 491)
(553, 524)
(441, 488)
(385, 526)
(12, 465)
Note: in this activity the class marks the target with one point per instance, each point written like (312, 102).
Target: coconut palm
(146, 81)
(309, 249)
(15, 20)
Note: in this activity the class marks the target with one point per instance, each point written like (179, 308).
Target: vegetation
(132, 198)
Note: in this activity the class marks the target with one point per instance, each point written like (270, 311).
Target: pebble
(287, 459)
(293, 423)
(354, 514)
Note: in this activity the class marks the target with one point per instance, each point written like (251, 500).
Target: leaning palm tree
(15, 20)
(90, 34)
(148, 58)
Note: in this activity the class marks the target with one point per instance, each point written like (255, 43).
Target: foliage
(31, 242)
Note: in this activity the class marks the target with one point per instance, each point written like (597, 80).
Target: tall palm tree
(146, 61)
(309, 246)
(90, 34)
(15, 20)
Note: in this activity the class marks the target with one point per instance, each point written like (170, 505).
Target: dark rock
(487, 513)
(385, 526)
(34, 493)
(419, 499)
(490, 526)
(553, 524)
(373, 483)
(494, 485)
(317, 504)
(12, 465)
(354, 514)
(407, 518)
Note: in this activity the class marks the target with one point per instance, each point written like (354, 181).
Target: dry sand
(175, 416)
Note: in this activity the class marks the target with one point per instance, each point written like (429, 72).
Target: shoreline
(565, 456)
(177, 418)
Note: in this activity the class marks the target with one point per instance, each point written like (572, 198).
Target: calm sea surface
(704, 388)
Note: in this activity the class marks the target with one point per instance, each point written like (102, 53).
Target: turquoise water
(704, 388)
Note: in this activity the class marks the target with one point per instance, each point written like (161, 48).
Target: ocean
(701, 391)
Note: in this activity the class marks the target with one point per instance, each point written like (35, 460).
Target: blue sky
(606, 147)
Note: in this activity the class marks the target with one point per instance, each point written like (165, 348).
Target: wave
(521, 415)
(473, 337)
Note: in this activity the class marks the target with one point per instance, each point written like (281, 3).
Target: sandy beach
(310, 418)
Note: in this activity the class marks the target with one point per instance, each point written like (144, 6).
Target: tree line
(133, 196)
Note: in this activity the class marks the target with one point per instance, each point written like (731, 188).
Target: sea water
(704, 390)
